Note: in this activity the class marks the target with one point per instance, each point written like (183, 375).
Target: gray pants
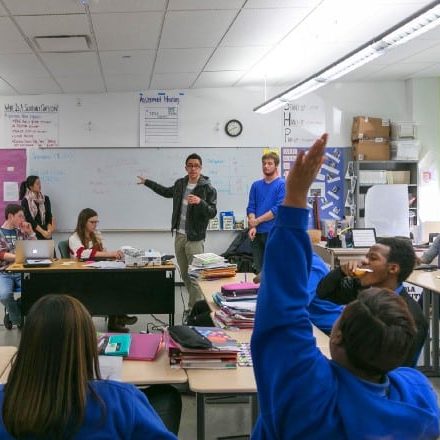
(185, 251)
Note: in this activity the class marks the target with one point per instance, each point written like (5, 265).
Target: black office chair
(63, 247)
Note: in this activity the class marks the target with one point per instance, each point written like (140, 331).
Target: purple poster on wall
(12, 173)
(328, 188)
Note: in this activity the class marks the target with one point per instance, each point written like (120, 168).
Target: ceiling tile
(431, 72)
(126, 83)
(181, 60)
(127, 5)
(195, 29)
(281, 3)
(31, 85)
(129, 31)
(399, 71)
(40, 25)
(2, 11)
(167, 81)
(67, 64)
(43, 7)
(272, 25)
(19, 64)
(235, 58)
(11, 40)
(181, 5)
(130, 62)
(81, 84)
(217, 79)
(6, 89)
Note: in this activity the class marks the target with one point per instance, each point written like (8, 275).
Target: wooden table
(154, 372)
(208, 383)
(334, 257)
(132, 290)
(430, 281)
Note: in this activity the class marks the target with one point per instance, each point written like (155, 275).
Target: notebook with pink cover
(144, 347)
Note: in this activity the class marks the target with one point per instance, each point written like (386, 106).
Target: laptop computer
(34, 253)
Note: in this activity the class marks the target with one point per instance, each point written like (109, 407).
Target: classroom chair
(63, 247)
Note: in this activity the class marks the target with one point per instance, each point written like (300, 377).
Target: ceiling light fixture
(412, 27)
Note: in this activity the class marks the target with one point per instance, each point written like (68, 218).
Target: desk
(240, 380)
(430, 281)
(135, 372)
(134, 290)
(334, 257)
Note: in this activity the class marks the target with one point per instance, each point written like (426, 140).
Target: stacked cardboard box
(370, 138)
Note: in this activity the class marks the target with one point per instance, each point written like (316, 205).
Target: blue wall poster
(328, 188)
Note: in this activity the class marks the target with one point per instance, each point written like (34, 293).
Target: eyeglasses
(94, 222)
(193, 165)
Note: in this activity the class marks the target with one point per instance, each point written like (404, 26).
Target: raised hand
(303, 173)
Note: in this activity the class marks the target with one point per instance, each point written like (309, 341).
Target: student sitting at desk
(86, 244)
(391, 260)
(360, 393)
(14, 228)
(55, 390)
(432, 252)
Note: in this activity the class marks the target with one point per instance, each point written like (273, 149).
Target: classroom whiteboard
(105, 180)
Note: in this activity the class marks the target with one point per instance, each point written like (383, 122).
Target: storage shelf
(361, 189)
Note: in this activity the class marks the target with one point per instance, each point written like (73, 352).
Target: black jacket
(37, 220)
(341, 289)
(197, 216)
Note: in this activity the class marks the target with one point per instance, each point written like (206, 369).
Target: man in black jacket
(389, 264)
(194, 203)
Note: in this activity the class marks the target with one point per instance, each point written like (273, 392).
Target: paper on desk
(242, 305)
(111, 367)
(107, 264)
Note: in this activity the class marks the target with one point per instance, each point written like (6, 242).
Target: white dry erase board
(105, 180)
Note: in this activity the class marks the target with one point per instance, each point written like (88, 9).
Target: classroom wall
(424, 108)
(112, 120)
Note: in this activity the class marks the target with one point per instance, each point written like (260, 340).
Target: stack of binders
(220, 350)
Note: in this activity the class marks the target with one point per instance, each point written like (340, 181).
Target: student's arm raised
(286, 359)
(164, 191)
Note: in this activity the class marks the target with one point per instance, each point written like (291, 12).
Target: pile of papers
(235, 312)
(211, 266)
(222, 355)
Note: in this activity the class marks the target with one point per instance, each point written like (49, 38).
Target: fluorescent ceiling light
(412, 27)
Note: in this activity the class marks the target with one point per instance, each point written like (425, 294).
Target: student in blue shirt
(360, 393)
(54, 390)
(264, 198)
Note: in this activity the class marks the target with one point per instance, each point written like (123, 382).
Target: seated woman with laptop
(14, 228)
(86, 244)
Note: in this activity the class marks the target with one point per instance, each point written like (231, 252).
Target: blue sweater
(128, 415)
(302, 394)
(323, 313)
(265, 197)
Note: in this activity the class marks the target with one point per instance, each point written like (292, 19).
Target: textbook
(207, 259)
(114, 344)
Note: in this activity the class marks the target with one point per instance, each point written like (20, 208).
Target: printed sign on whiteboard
(31, 125)
(303, 121)
(159, 119)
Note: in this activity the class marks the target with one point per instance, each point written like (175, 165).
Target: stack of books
(211, 266)
(235, 312)
(222, 354)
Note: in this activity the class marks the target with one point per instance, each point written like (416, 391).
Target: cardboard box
(365, 127)
(371, 150)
